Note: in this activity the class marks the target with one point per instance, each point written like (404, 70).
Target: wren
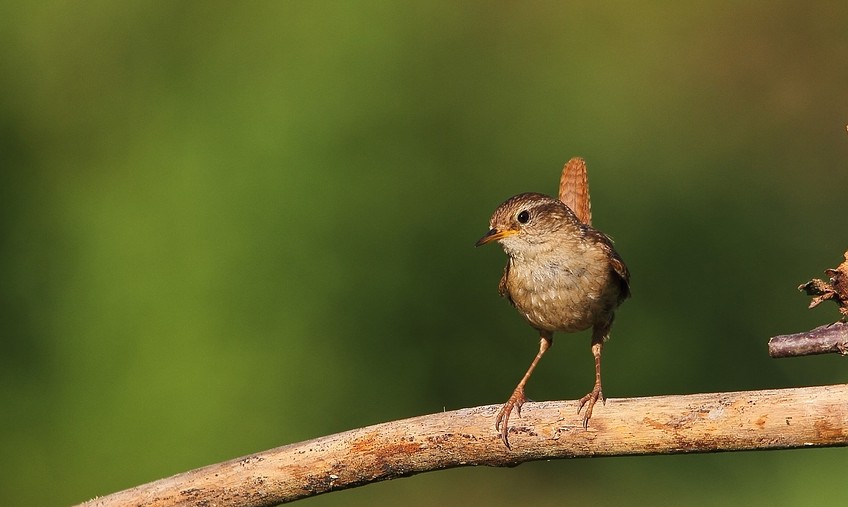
(561, 274)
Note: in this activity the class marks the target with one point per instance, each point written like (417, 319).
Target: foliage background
(228, 226)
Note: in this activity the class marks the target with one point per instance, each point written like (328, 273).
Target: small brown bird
(561, 274)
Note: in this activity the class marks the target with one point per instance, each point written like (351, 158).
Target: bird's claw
(589, 401)
(502, 420)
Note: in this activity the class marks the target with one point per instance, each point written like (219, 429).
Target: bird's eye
(524, 217)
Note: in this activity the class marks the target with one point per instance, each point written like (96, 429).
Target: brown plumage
(574, 189)
(561, 275)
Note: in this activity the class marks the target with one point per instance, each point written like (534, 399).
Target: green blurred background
(229, 226)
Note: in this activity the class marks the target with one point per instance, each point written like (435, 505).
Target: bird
(562, 275)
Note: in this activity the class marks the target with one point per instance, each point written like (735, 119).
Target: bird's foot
(589, 401)
(502, 421)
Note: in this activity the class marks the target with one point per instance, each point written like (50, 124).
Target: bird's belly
(557, 299)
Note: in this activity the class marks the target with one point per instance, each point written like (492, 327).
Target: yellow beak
(495, 235)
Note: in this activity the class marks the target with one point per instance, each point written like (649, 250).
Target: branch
(695, 423)
(821, 340)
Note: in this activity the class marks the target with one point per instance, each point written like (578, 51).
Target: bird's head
(524, 222)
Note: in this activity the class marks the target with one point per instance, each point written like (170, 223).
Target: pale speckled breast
(555, 294)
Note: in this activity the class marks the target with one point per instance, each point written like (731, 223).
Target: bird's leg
(517, 399)
(599, 335)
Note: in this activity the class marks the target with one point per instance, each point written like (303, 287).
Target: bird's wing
(620, 269)
(503, 290)
(574, 189)
(616, 262)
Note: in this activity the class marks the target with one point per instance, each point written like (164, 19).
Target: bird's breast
(562, 293)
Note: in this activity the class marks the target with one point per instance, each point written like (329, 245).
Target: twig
(821, 340)
(696, 423)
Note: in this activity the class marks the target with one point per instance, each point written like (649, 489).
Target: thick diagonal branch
(738, 421)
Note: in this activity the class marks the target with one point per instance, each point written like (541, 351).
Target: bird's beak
(495, 235)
